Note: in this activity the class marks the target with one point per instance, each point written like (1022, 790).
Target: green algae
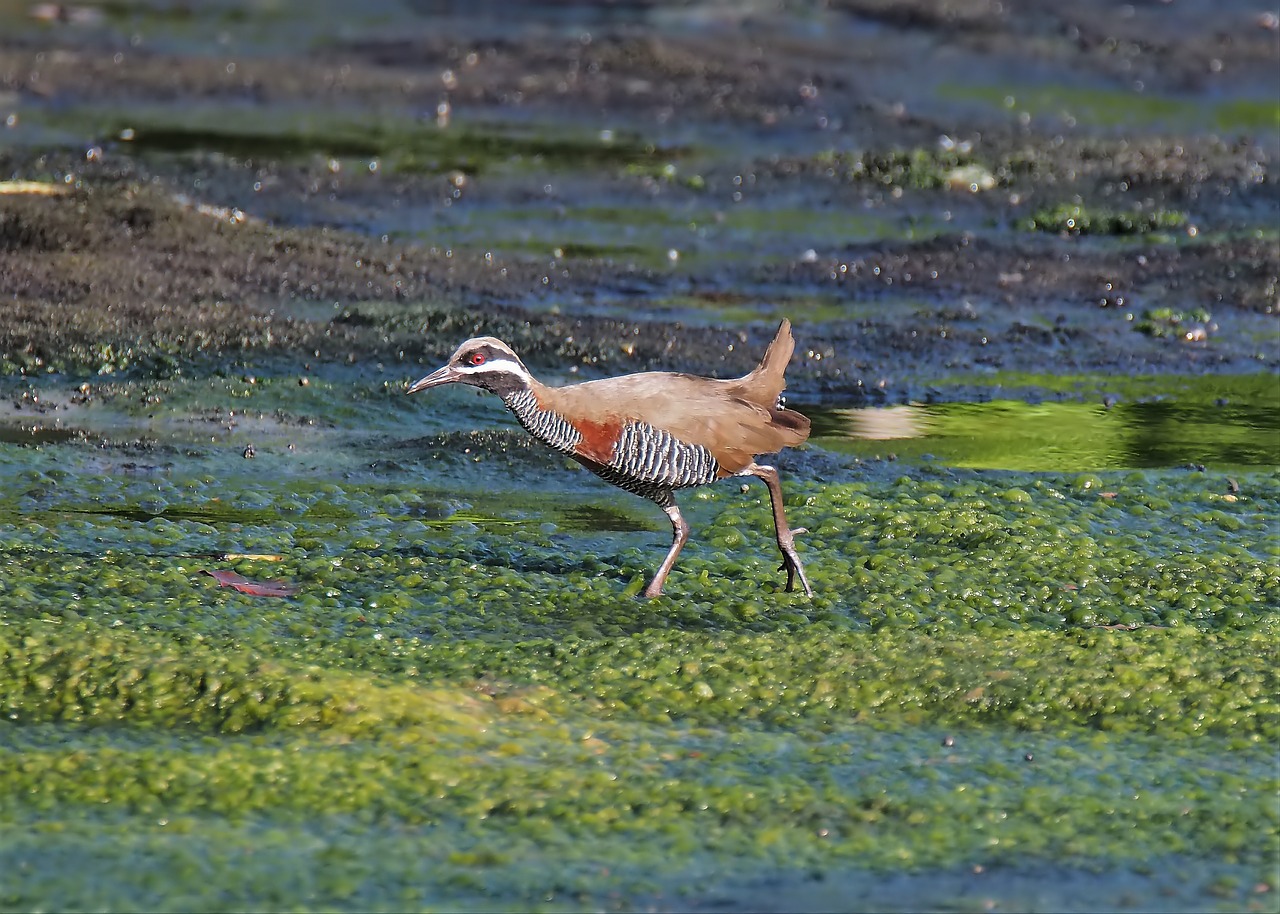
(1074, 219)
(1172, 322)
(919, 168)
(1200, 390)
(667, 173)
(1113, 108)
(408, 148)
(476, 778)
(459, 713)
(667, 239)
(463, 704)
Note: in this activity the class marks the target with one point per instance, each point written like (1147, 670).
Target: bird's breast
(547, 425)
(598, 441)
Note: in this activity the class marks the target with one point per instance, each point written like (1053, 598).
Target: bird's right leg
(783, 532)
(680, 530)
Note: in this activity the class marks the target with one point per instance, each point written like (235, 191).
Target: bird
(652, 433)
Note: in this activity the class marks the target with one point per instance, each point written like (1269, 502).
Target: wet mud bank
(120, 273)
(643, 190)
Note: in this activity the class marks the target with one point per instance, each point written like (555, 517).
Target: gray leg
(680, 530)
(785, 535)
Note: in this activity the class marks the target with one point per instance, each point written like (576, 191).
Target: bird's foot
(791, 561)
(791, 565)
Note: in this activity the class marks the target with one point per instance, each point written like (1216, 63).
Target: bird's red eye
(476, 358)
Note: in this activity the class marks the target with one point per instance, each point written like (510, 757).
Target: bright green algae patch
(1228, 425)
(464, 706)
(493, 778)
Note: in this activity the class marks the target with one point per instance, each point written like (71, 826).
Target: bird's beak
(445, 375)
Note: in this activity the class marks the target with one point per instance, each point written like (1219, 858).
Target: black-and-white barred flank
(655, 492)
(549, 427)
(647, 461)
(655, 456)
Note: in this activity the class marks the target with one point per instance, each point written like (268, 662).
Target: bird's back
(735, 419)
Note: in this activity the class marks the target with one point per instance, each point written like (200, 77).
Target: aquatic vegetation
(1085, 424)
(916, 169)
(1123, 108)
(1074, 219)
(404, 147)
(441, 700)
(1193, 324)
(666, 172)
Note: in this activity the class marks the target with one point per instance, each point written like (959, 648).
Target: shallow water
(465, 695)
(1230, 425)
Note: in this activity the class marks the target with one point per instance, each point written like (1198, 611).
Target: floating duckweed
(421, 702)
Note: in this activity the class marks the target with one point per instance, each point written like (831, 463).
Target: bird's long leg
(680, 530)
(784, 533)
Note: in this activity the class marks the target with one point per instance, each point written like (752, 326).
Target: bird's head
(482, 362)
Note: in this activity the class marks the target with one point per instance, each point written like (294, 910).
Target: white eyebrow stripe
(495, 365)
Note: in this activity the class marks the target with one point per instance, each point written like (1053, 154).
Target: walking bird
(654, 432)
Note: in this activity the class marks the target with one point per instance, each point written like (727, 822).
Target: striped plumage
(549, 427)
(645, 460)
(654, 432)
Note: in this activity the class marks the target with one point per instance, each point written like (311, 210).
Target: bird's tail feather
(763, 384)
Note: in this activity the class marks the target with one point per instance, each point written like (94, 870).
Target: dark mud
(668, 180)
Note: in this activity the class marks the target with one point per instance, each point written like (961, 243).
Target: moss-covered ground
(1040, 674)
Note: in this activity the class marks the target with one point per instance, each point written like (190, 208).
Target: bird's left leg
(680, 536)
(784, 533)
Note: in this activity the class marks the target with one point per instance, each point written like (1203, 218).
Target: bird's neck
(532, 406)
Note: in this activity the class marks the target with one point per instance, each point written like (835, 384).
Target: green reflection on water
(1064, 436)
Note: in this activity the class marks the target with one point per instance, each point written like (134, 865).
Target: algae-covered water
(1032, 265)
(1009, 685)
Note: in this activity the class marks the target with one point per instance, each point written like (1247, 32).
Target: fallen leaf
(252, 588)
